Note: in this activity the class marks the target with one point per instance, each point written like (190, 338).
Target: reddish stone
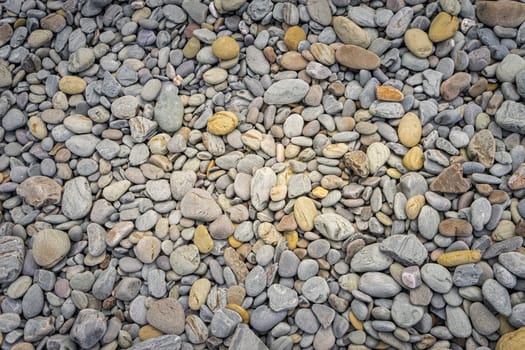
(451, 180)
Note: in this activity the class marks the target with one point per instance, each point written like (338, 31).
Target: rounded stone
(293, 36)
(167, 315)
(222, 123)
(443, 27)
(50, 246)
(409, 130)
(418, 43)
(147, 249)
(72, 85)
(225, 48)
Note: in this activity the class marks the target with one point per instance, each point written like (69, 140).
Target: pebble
(88, 328)
(50, 246)
(167, 315)
(40, 191)
(349, 32)
(169, 109)
(333, 226)
(225, 48)
(443, 27)
(72, 85)
(378, 285)
(199, 205)
(12, 254)
(286, 91)
(356, 57)
(76, 200)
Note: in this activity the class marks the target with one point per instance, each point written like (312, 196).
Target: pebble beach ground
(251, 175)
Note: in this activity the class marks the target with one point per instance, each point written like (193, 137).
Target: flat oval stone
(378, 285)
(508, 14)
(356, 57)
(286, 91)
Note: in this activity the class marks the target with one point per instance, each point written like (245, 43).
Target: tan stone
(293, 36)
(268, 233)
(357, 162)
(199, 293)
(72, 85)
(454, 227)
(305, 212)
(335, 150)
(414, 205)
(50, 246)
(409, 130)
(505, 229)
(225, 48)
(418, 43)
(293, 60)
(349, 32)
(517, 180)
(202, 239)
(222, 123)
(192, 47)
(443, 27)
(356, 57)
(147, 249)
(389, 93)
(413, 159)
(39, 191)
(149, 332)
(234, 262)
(512, 340)
(323, 53)
(459, 257)
(482, 148)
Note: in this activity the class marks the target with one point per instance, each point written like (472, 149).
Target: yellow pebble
(414, 159)
(393, 173)
(191, 48)
(222, 123)
(319, 192)
(199, 293)
(241, 311)
(148, 332)
(292, 238)
(37, 127)
(355, 322)
(233, 242)
(389, 93)
(296, 338)
(72, 85)
(304, 212)
(443, 27)
(512, 341)
(384, 219)
(459, 257)
(293, 36)
(409, 130)
(414, 206)
(225, 48)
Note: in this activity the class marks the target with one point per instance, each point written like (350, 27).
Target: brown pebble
(455, 227)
